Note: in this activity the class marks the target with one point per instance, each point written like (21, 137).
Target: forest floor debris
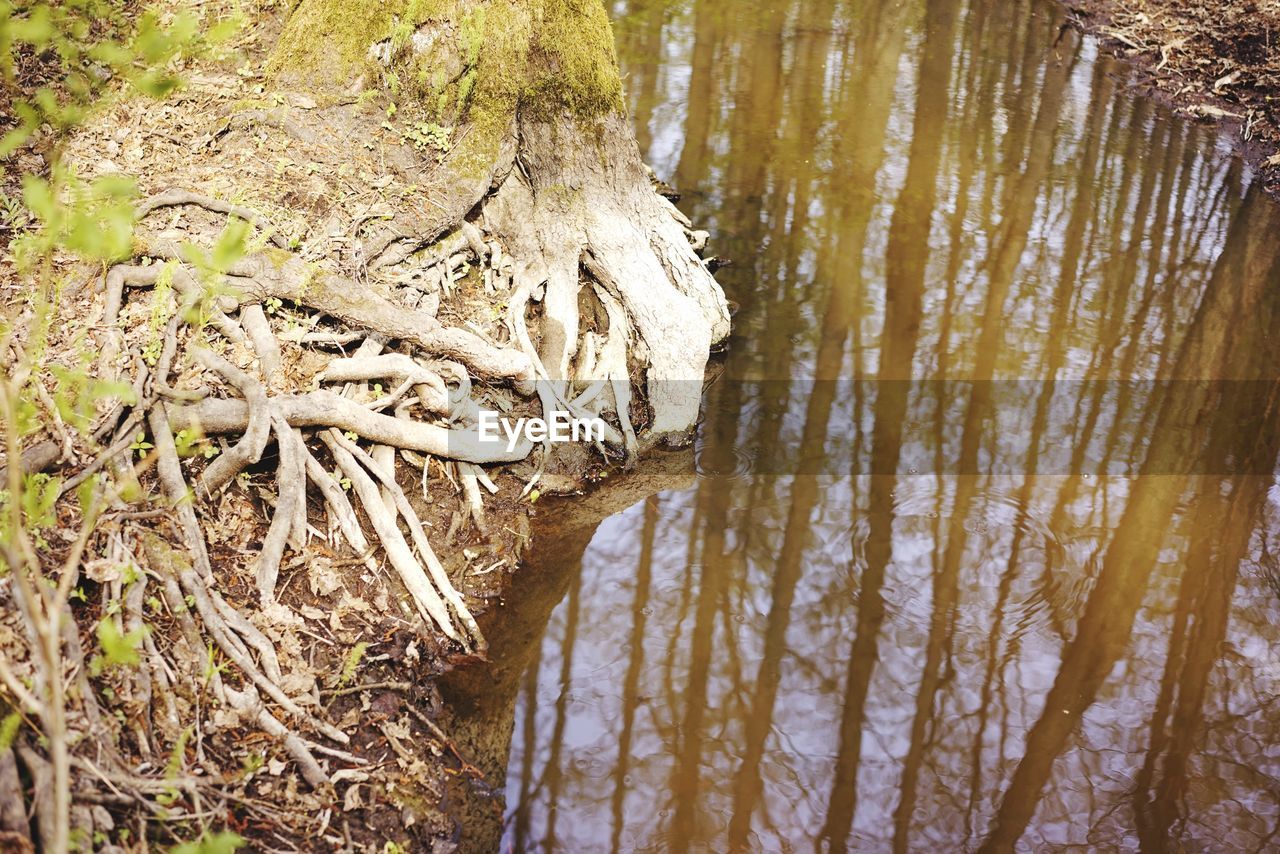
(1218, 62)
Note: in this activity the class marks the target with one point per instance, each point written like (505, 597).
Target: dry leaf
(104, 570)
(312, 613)
(1212, 112)
(322, 578)
(351, 800)
(1226, 80)
(226, 718)
(297, 684)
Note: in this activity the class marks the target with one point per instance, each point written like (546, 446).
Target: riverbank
(1218, 62)
(346, 746)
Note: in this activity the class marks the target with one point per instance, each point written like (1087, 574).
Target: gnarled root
(633, 245)
(650, 313)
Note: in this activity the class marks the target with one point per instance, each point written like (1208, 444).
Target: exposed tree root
(631, 244)
(326, 409)
(292, 479)
(437, 385)
(256, 430)
(172, 198)
(313, 378)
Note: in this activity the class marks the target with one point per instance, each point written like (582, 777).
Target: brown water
(1004, 612)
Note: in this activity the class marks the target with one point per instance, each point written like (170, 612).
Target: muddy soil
(1217, 61)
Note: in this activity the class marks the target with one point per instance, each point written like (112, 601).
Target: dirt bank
(275, 664)
(1219, 62)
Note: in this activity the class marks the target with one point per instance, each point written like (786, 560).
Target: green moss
(242, 104)
(541, 58)
(573, 66)
(473, 35)
(328, 42)
(277, 257)
(467, 83)
(551, 55)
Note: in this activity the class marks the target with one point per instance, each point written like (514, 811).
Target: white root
(326, 409)
(171, 475)
(174, 197)
(230, 330)
(249, 702)
(519, 331)
(331, 339)
(612, 365)
(293, 279)
(164, 561)
(291, 482)
(175, 487)
(220, 631)
(118, 277)
(471, 492)
(390, 399)
(256, 430)
(482, 477)
(255, 323)
(428, 600)
(385, 458)
(298, 537)
(587, 354)
(163, 681)
(475, 240)
(462, 407)
(398, 367)
(142, 678)
(549, 393)
(250, 633)
(343, 513)
(420, 542)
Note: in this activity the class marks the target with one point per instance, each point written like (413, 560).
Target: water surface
(1016, 324)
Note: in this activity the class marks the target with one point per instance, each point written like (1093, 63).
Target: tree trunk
(542, 159)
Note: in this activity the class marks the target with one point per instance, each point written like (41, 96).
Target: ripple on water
(734, 465)
(1038, 590)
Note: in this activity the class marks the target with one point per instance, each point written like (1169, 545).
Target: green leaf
(39, 197)
(352, 663)
(119, 649)
(39, 495)
(223, 30)
(112, 54)
(230, 247)
(16, 138)
(151, 43)
(114, 188)
(9, 730)
(156, 84)
(225, 842)
(36, 29)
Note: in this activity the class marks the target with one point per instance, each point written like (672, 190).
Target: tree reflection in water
(1044, 621)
